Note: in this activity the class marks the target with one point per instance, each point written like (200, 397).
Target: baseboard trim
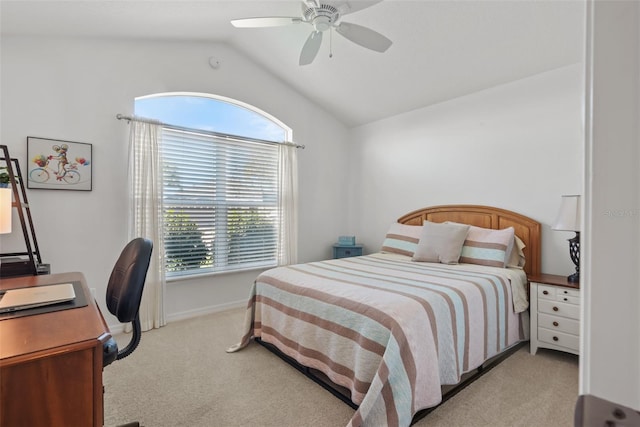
(189, 314)
(174, 317)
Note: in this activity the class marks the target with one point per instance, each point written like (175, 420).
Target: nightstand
(346, 251)
(554, 305)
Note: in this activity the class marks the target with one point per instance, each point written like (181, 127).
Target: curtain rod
(207, 132)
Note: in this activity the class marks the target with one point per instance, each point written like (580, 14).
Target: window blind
(220, 203)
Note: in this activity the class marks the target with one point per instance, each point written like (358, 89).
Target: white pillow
(441, 242)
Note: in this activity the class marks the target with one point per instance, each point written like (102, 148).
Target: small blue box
(347, 240)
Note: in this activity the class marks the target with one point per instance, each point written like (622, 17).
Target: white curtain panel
(288, 238)
(145, 203)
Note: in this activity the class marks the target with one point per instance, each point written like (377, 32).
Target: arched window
(220, 182)
(212, 113)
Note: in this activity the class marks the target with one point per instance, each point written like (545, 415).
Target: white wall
(72, 89)
(517, 146)
(610, 366)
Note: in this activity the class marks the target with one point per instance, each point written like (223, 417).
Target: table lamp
(5, 210)
(569, 219)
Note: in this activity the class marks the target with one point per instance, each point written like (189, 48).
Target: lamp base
(574, 253)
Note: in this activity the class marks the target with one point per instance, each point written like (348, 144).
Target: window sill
(217, 273)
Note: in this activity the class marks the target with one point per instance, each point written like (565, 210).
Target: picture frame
(54, 164)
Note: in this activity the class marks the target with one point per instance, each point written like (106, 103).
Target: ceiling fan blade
(270, 21)
(310, 48)
(347, 7)
(364, 36)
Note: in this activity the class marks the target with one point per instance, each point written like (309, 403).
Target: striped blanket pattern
(388, 329)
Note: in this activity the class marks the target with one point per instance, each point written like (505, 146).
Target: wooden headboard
(488, 217)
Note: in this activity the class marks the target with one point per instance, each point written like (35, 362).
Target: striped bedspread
(388, 329)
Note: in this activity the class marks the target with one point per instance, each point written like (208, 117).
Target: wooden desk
(51, 363)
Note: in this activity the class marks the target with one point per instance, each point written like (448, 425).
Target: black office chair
(124, 293)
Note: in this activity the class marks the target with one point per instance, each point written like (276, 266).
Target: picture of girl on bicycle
(59, 164)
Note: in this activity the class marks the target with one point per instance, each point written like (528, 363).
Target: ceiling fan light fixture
(321, 23)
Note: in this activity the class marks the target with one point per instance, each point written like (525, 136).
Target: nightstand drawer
(340, 251)
(559, 309)
(568, 292)
(568, 299)
(559, 338)
(557, 323)
(559, 294)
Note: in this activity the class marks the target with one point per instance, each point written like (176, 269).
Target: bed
(395, 331)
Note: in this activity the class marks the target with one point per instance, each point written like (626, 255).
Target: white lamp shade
(569, 216)
(5, 210)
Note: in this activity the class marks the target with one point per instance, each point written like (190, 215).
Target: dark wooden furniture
(554, 279)
(596, 411)
(51, 363)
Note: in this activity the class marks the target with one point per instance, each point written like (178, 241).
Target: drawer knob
(566, 299)
(619, 414)
(545, 292)
(556, 324)
(555, 309)
(556, 338)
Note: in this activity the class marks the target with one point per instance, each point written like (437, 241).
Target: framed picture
(53, 164)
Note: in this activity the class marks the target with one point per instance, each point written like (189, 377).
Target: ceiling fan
(322, 16)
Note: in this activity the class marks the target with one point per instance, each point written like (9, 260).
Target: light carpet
(180, 375)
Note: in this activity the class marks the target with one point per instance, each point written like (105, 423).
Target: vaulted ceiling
(441, 49)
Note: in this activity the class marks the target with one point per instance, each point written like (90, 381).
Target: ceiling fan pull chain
(331, 43)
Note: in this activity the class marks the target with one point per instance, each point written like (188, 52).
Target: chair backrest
(124, 290)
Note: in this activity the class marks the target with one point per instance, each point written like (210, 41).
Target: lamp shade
(5, 210)
(569, 216)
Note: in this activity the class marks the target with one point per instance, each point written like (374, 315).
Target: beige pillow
(516, 258)
(440, 242)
